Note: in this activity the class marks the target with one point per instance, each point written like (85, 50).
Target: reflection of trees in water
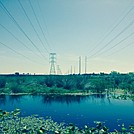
(109, 101)
(96, 97)
(3, 99)
(15, 98)
(101, 96)
(48, 99)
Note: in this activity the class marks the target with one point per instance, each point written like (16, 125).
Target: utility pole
(80, 65)
(71, 70)
(52, 60)
(85, 64)
(74, 70)
(68, 72)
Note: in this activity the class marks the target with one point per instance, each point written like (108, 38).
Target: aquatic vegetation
(123, 96)
(13, 123)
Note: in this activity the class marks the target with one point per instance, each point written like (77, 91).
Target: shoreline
(117, 94)
(73, 94)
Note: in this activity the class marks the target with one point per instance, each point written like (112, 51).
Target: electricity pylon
(59, 70)
(52, 60)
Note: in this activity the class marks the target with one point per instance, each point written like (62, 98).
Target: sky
(101, 30)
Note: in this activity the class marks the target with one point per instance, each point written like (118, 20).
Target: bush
(15, 88)
(50, 81)
(59, 83)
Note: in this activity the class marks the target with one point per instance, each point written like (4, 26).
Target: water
(80, 110)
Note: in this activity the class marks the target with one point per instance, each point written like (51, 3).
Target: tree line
(67, 83)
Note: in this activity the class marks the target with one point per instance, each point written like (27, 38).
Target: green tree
(97, 85)
(2, 82)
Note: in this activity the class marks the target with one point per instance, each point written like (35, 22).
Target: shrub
(50, 81)
(15, 88)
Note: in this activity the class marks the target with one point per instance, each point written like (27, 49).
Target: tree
(97, 85)
(2, 82)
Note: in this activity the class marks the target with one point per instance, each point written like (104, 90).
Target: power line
(132, 43)
(38, 23)
(32, 25)
(118, 43)
(112, 29)
(130, 24)
(44, 20)
(15, 22)
(18, 52)
(42, 16)
(17, 39)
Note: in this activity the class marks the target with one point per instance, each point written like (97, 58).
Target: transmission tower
(59, 70)
(52, 60)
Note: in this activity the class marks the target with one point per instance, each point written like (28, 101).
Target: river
(80, 110)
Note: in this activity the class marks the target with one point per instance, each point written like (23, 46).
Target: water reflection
(15, 98)
(48, 99)
(101, 96)
(4, 99)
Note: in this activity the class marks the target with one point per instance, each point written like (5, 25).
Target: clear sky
(102, 30)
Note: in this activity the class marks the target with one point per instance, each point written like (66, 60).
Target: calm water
(79, 110)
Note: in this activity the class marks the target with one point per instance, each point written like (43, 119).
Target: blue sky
(102, 30)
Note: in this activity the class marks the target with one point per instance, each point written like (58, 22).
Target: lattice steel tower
(59, 70)
(52, 60)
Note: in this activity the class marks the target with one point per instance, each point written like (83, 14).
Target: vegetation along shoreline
(86, 84)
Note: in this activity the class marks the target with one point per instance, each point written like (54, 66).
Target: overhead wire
(32, 26)
(112, 29)
(39, 23)
(44, 21)
(18, 53)
(97, 52)
(128, 45)
(19, 27)
(17, 38)
(118, 43)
